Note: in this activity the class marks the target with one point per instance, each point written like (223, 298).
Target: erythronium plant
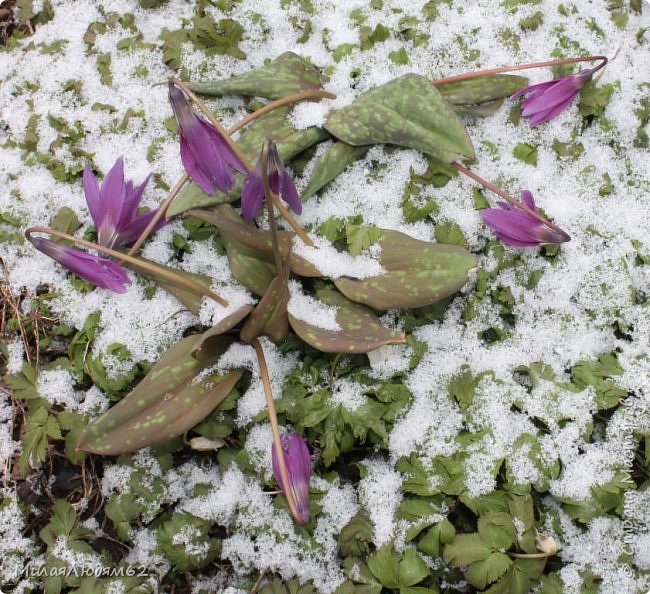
(410, 112)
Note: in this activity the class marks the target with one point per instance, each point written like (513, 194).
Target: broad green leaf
(270, 314)
(418, 590)
(66, 220)
(482, 89)
(412, 569)
(356, 570)
(287, 75)
(165, 404)
(418, 274)
(466, 549)
(519, 578)
(355, 537)
(441, 534)
(488, 570)
(331, 163)
(497, 529)
(275, 125)
(385, 566)
(213, 338)
(407, 111)
(360, 331)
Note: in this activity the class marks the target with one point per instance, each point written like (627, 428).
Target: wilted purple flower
(206, 155)
(548, 99)
(95, 269)
(298, 461)
(280, 183)
(114, 206)
(518, 228)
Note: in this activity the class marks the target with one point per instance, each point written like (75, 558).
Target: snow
(566, 318)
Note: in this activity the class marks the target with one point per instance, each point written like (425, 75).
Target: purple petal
(130, 232)
(528, 200)
(517, 225)
(545, 116)
(289, 192)
(132, 202)
(111, 197)
(539, 87)
(252, 196)
(561, 93)
(298, 461)
(91, 191)
(95, 269)
(191, 164)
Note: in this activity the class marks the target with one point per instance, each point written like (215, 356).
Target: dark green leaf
(287, 75)
(270, 314)
(488, 570)
(482, 89)
(407, 111)
(419, 273)
(165, 404)
(466, 549)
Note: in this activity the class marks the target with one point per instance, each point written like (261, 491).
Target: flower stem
(508, 198)
(544, 64)
(315, 94)
(159, 214)
(151, 267)
(277, 440)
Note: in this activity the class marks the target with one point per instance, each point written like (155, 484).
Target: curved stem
(153, 268)
(315, 94)
(277, 440)
(544, 64)
(507, 197)
(162, 209)
(288, 217)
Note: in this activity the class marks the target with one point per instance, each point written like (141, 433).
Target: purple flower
(280, 183)
(206, 155)
(518, 228)
(95, 269)
(548, 99)
(114, 206)
(298, 461)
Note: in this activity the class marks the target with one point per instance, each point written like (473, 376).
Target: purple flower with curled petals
(95, 269)
(546, 100)
(114, 205)
(518, 228)
(280, 183)
(206, 155)
(298, 461)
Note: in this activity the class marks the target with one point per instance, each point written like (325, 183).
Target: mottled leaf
(482, 89)
(407, 111)
(360, 330)
(211, 339)
(332, 162)
(274, 125)
(270, 315)
(418, 273)
(165, 404)
(287, 75)
(258, 241)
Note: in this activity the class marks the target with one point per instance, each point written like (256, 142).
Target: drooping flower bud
(298, 461)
